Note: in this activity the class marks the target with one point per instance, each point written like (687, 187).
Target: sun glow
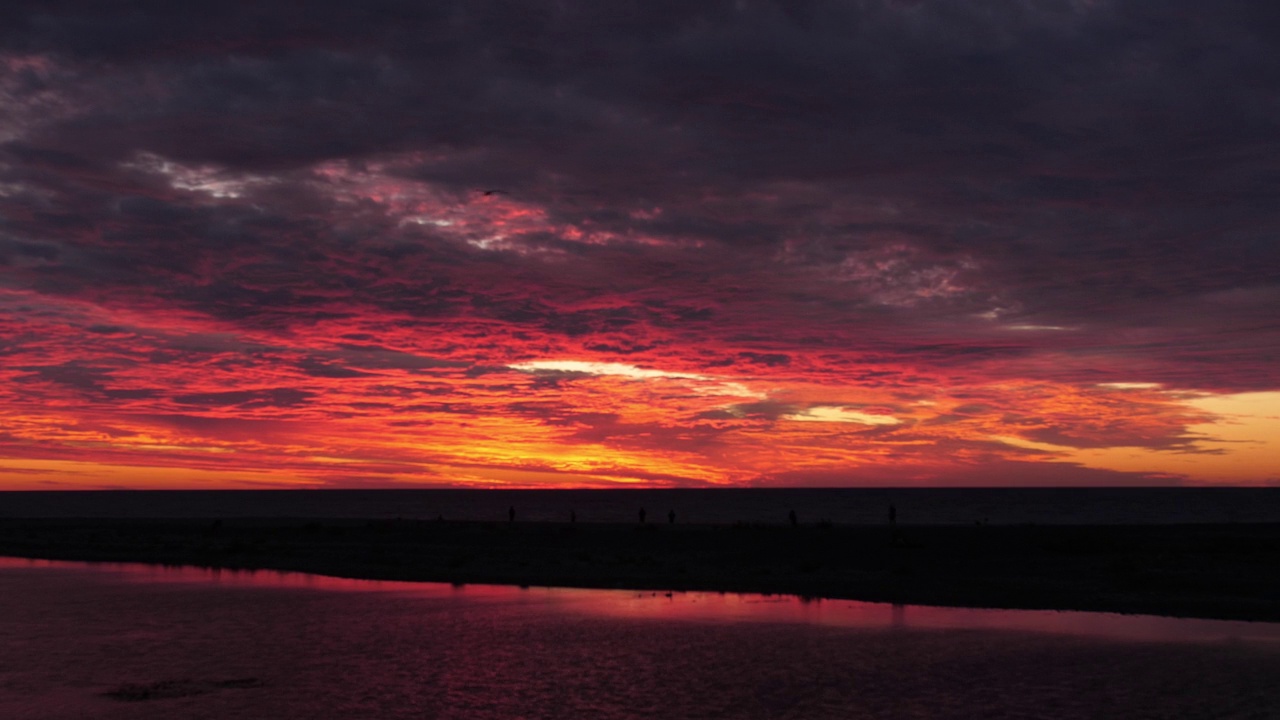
(234, 258)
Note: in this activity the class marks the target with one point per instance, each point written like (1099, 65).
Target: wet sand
(1229, 571)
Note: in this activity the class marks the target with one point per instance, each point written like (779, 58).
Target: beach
(1222, 571)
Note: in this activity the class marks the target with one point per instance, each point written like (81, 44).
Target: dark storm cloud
(1096, 178)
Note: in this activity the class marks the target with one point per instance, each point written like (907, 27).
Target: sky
(641, 243)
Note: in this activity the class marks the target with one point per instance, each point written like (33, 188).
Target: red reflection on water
(140, 572)
(710, 607)
(727, 607)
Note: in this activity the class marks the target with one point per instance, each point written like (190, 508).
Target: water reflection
(709, 607)
(133, 642)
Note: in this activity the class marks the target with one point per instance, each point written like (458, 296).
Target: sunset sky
(645, 243)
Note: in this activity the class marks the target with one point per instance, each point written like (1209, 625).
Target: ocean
(949, 506)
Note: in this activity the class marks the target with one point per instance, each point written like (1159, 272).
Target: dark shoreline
(1226, 571)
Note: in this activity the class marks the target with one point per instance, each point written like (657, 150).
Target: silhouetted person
(671, 517)
(792, 516)
(641, 516)
(511, 514)
(573, 516)
(893, 515)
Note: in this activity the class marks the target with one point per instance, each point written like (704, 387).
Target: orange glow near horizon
(562, 422)
(351, 324)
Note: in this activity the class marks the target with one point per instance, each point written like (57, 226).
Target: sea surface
(841, 506)
(133, 641)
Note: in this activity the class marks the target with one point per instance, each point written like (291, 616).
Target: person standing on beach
(792, 516)
(641, 516)
(893, 514)
(671, 517)
(511, 514)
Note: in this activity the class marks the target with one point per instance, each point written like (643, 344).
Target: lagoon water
(133, 641)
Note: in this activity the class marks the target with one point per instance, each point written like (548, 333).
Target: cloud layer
(665, 243)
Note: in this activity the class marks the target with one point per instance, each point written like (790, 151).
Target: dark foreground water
(727, 505)
(131, 641)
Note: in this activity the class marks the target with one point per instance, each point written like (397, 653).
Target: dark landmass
(1211, 571)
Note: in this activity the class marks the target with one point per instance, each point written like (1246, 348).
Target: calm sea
(851, 506)
(117, 642)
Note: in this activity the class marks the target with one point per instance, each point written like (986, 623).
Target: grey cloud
(1107, 167)
(75, 374)
(274, 397)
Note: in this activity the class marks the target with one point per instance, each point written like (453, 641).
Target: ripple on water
(189, 644)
